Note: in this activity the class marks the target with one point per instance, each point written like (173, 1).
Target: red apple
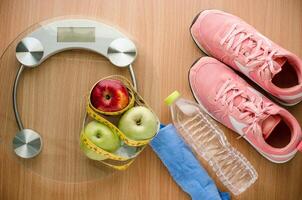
(109, 95)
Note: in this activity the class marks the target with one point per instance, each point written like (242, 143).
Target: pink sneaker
(224, 95)
(237, 44)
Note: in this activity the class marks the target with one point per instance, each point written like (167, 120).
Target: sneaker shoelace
(252, 109)
(256, 54)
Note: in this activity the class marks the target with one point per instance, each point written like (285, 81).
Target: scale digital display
(76, 34)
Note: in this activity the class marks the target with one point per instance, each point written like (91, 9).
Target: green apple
(102, 136)
(89, 153)
(138, 123)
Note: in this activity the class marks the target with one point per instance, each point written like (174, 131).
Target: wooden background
(160, 30)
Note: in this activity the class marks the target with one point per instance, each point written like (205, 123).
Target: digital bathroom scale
(49, 86)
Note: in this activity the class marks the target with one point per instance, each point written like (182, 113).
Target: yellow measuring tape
(90, 145)
(119, 167)
(113, 160)
(124, 164)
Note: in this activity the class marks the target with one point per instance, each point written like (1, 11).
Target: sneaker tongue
(248, 45)
(269, 124)
(278, 63)
(237, 100)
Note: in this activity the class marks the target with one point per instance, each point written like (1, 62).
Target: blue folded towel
(184, 167)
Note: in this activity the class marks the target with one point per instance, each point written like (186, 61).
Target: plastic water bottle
(207, 140)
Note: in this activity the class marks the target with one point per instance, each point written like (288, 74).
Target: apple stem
(138, 122)
(107, 96)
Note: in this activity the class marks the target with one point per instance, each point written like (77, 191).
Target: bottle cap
(172, 97)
